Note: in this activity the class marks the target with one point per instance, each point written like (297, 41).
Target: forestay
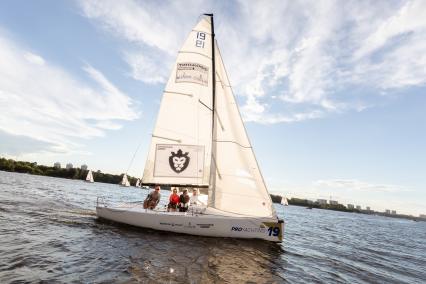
(180, 151)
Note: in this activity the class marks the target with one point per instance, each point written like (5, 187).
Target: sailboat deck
(193, 211)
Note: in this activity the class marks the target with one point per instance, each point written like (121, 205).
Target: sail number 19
(274, 231)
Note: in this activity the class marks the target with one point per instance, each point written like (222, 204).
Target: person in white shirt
(194, 198)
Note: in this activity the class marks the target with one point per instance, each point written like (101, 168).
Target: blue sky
(332, 92)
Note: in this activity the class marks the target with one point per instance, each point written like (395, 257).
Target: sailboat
(125, 181)
(284, 201)
(138, 183)
(89, 177)
(199, 141)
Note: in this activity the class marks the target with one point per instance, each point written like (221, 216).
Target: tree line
(10, 165)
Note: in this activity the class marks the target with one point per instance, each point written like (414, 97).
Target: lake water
(49, 233)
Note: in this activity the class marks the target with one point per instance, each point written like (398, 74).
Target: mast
(213, 162)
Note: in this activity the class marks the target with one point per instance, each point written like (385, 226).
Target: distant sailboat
(284, 201)
(89, 177)
(138, 183)
(125, 181)
(199, 141)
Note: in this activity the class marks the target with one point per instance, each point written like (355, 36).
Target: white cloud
(34, 58)
(45, 103)
(308, 54)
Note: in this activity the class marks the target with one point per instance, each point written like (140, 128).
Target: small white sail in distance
(89, 177)
(199, 140)
(124, 181)
(138, 183)
(284, 201)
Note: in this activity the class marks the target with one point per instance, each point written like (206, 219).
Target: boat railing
(100, 201)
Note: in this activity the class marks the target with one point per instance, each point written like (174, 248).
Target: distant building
(322, 201)
(423, 216)
(358, 207)
(69, 166)
(333, 202)
(57, 165)
(393, 212)
(368, 208)
(387, 211)
(351, 206)
(84, 167)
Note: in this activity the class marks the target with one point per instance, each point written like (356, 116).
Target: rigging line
(134, 155)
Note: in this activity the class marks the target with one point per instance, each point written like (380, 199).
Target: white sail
(125, 181)
(180, 151)
(89, 177)
(199, 140)
(284, 201)
(138, 183)
(238, 185)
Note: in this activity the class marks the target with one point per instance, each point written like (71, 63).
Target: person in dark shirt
(184, 201)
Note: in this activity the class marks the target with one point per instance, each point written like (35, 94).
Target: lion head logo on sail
(179, 161)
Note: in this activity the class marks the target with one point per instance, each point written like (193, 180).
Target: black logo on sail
(179, 161)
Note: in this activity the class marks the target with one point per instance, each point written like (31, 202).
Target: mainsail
(180, 151)
(199, 139)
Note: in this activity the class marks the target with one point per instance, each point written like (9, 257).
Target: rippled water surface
(49, 233)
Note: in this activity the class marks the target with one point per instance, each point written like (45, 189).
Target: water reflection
(49, 233)
(183, 258)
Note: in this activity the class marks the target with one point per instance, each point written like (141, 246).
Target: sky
(332, 92)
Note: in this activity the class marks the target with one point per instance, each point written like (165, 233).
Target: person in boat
(194, 198)
(152, 199)
(184, 201)
(174, 200)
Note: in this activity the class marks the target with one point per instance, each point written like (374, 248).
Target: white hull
(204, 224)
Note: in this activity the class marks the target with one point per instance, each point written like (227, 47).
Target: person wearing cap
(152, 199)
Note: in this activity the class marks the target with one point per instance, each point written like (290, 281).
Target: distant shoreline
(10, 165)
(340, 207)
